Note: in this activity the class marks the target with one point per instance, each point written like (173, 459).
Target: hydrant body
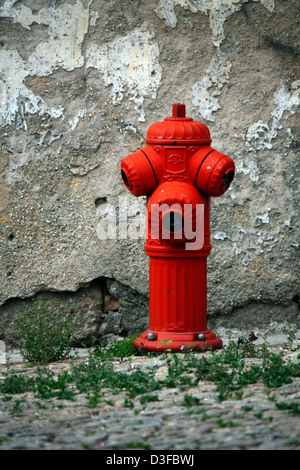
(178, 171)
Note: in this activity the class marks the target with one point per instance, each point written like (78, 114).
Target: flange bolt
(151, 336)
(201, 337)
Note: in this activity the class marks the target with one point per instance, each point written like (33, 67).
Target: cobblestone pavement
(252, 422)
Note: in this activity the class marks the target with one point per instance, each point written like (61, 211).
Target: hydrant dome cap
(178, 129)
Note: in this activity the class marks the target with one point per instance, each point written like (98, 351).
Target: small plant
(93, 399)
(44, 337)
(190, 400)
(293, 407)
(291, 336)
(137, 445)
(15, 384)
(17, 408)
(165, 344)
(123, 348)
(247, 408)
(147, 398)
(128, 403)
(226, 424)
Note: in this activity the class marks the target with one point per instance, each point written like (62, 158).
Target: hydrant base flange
(177, 342)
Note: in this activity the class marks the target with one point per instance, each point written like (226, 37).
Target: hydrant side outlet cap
(215, 174)
(138, 174)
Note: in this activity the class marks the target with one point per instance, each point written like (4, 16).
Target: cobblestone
(252, 422)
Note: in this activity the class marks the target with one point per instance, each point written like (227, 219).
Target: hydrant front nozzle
(178, 171)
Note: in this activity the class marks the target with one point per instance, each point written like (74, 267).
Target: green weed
(148, 398)
(226, 369)
(137, 445)
(128, 403)
(43, 336)
(190, 400)
(293, 407)
(123, 348)
(226, 424)
(17, 408)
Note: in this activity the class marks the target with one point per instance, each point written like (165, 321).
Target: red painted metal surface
(178, 171)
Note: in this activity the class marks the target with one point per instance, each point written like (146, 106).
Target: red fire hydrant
(178, 171)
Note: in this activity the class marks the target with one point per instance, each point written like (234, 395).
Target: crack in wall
(103, 308)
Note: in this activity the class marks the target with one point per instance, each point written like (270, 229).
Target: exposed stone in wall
(80, 83)
(100, 312)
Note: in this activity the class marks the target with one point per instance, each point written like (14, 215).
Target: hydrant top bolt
(178, 110)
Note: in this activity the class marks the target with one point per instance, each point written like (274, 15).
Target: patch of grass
(148, 398)
(137, 445)
(98, 373)
(226, 424)
(226, 369)
(15, 384)
(46, 385)
(17, 408)
(123, 348)
(128, 403)
(190, 400)
(293, 407)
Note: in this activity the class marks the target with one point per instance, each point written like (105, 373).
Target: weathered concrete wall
(80, 83)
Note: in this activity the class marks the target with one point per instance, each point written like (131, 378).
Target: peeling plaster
(80, 114)
(250, 243)
(259, 135)
(205, 91)
(215, 78)
(18, 100)
(217, 10)
(262, 219)
(67, 26)
(252, 170)
(220, 236)
(130, 64)
(260, 238)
